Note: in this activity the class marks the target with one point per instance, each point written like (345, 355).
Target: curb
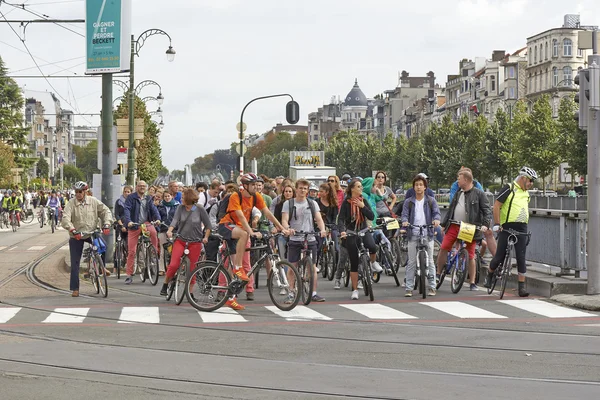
(586, 302)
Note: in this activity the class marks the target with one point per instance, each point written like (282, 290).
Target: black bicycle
(504, 270)
(96, 267)
(146, 258)
(120, 257)
(328, 256)
(422, 257)
(306, 267)
(177, 283)
(364, 261)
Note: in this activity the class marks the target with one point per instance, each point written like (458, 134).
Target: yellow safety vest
(516, 206)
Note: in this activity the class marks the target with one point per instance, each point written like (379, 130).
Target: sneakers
(317, 299)
(360, 285)
(163, 290)
(107, 272)
(354, 295)
(522, 291)
(473, 287)
(376, 267)
(128, 280)
(408, 293)
(250, 296)
(437, 279)
(337, 285)
(488, 280)
(282, 292)
(290, 299)
(235, 305)
(241, 274)
(431, 292)
(75, 293)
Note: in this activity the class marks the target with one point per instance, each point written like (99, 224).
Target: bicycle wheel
(171, 288)
(506, 265)
(441, 280)
(395, 254)
(308, 279)
(324, 261)
(284, 277)
(184, 267)
(459, 271)
(93, 272)
(389, 261)
(152, 264)
(332, 265)
(366, 276)
(403, 257)
(376, 276)
(477, 266)
(102, 281)
(494, 279)
(41, 219)
(423, 275)
(207, 287)
(52, 227)
(120, 258)
(140, 261)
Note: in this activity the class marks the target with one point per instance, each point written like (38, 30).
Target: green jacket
(371, 198)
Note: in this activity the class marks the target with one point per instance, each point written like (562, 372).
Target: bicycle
(14, 223)
(504, 270)
(4, 219)
(26, 217)
(457, 262)
(328, 257)
(96, 267)
(305, 267)
(386, 259)
(42, 216)
(120, 257)
(146, 258)
(210, 284)
(177, 283)
(422, 257)
(51, 220)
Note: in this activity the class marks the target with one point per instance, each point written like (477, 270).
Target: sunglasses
(331, 181)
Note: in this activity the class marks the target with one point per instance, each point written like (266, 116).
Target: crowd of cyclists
(201, 219)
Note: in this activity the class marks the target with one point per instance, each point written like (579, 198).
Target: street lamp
(160, 99)
(170, 53)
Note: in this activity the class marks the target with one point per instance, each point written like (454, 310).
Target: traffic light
(292, 112)
(583, 80)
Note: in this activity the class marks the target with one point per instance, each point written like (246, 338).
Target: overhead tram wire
(47, 64)
(39, 58)
(43, 16)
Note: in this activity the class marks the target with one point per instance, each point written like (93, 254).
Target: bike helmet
(8, 192)
(529, 173)
(80, 185)
(313, 187)
(343, 184)
(422, 174)
(346, 177)
(359, 178)
(249, 178)
(259, 179)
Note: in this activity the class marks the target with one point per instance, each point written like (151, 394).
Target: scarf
(355, 212)
(171, 203)
(121, 201)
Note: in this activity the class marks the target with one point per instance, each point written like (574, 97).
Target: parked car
(538, 192)
(443, 191)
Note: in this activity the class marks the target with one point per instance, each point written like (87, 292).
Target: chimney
(498, 55)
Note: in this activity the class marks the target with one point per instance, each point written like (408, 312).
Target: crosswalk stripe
(65, 247)
(64, 316)
(2, 248)
(139, 314)
(7, 313)
(12, 248)
(221, 315)
(36, 248)
(299, 313)
(377, 311)
(462, 310)
(546, 309)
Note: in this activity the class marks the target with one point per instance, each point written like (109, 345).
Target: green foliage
(43, 169)
(574, 139)
(72, 174)
(87, 159)
(6, 163)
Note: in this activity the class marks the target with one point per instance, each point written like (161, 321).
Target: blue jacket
(166, 214)
(432, 213)
(455, 188)
(132, 209)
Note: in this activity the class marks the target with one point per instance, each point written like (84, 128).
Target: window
(530, 55)
(546, 51)
(554, 77)
(511, 93)
(493, 83)
(579, 52)
(46, 152)
(567, 75)
(316, 127)
(511, 72)
(567, 48)
(535, 55)
(40, 128)
(535, 83)
(554, 48)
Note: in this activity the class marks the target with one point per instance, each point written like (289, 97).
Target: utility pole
(107, 173)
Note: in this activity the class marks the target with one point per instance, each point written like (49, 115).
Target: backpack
(311, 205)
(206, 202)
(411, 204)
(224, 204)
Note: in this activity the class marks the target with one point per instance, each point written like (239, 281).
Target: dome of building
(356, 97)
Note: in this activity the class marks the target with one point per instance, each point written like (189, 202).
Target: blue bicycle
(457, 265)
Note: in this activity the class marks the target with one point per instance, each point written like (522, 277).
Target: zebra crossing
(441, 310)
(29, 248)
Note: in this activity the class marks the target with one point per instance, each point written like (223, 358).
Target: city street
(462, 346)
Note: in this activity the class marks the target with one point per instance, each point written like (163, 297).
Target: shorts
(450, 238)
(225, 230)
(295, 248)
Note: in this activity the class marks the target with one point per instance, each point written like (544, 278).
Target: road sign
(123, 129)
(122, 155)
(237, 149)
(237, 126)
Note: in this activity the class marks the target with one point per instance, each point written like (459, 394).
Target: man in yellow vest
(511, 211)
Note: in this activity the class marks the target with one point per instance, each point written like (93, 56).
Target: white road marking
(377, 311)
(462, 310)
(2, 248)
(36, 248)
(64, 316)
(594, 325)
(6, 314)
(12, 248)
(221, 315)
(65, 247)
(299, 313)
(139, 314)
(546, 309)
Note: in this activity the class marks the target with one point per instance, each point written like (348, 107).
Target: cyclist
(120, 212)
(511, 211)
(354, 213)
(167, 209)
(5, 199)
(338, 191)
(194, 230)
(420, 210)
(54, 204)
(81, 214)
(470, 205)
(372, 199)
(329, 208)
(14, 204)
(139, 208)
(302, 214)
(313, 192)
(288, 192)
(234, 225)
(383, 208)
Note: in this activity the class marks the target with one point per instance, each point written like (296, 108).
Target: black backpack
(224, 204)
(311, 205)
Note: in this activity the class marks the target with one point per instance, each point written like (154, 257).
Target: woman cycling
(289, 192)
(166, 209)
(54, 204)
(338, 191)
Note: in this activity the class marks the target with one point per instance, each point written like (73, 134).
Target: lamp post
(231, 168)
(136, 46)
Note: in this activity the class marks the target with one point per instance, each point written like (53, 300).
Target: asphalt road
(135, 344)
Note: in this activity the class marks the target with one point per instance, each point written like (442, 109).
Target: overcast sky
(230, 51)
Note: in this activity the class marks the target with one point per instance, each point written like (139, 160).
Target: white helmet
(529, 173)
(80, 185)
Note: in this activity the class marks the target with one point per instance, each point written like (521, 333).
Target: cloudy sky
(230, 51)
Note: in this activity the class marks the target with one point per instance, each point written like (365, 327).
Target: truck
(309, 165)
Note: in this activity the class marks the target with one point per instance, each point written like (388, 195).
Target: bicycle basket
(100, 245)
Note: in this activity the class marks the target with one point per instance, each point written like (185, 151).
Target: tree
(540, 143)
(72, 174)
(498, 142)
(6, 163)
(573, 138)
(12, 131)
(43, 169)
(87, 159)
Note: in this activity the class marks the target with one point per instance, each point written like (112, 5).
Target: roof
(356, 97)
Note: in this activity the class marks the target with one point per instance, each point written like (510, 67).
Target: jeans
(381, 238)
(412, 264)
(75, 250)
(282, 242)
